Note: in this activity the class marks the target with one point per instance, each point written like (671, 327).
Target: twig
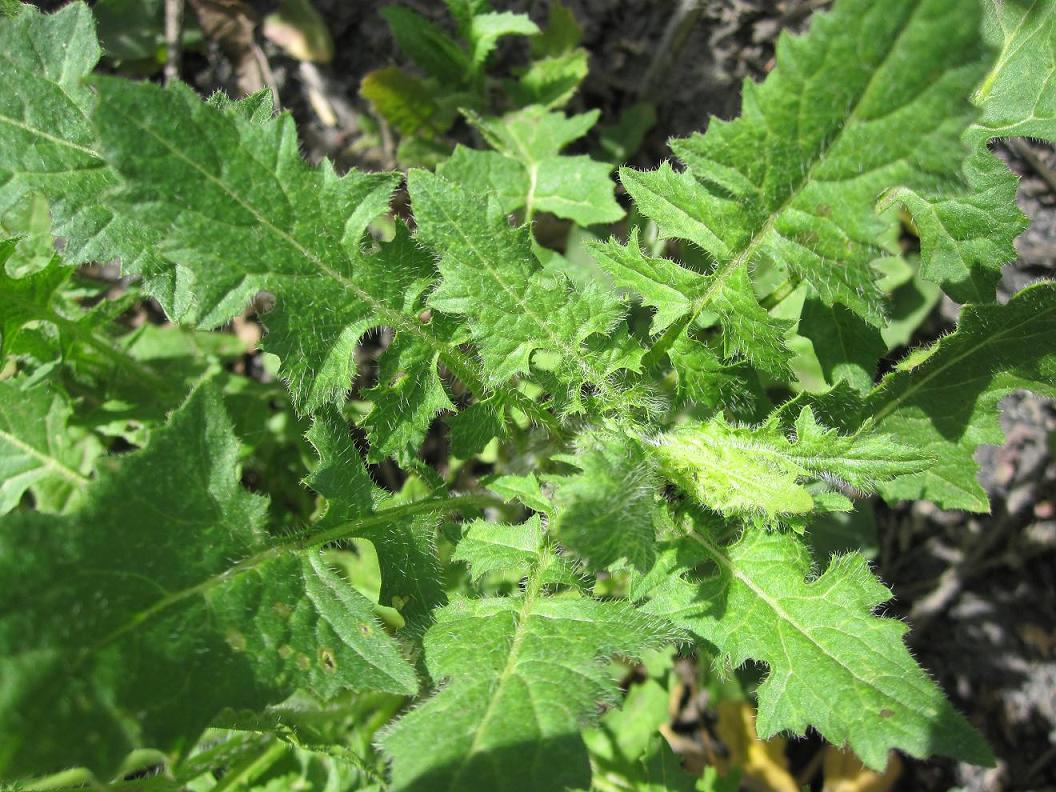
(173, 30)
(669, 47)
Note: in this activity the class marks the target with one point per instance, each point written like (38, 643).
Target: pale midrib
(49, 462)
(719, 276)
(390, 317)
(296, 544)
(532, 589)
(723, 560)
(1006, 54)
(49, 137)
(893, 405)
(558, 344)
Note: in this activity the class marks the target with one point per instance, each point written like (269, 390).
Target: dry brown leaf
(845, 773)
(763, 764)
(231, 24)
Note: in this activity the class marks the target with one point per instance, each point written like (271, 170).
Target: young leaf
(741, 470)
(493, 547)
(608, 510)
(520, 676)
(430, 48)
(865, 692)
(486, 29)
(491, 276)
(659, 282)
(178, 606)
(874, 96)
(535, 175)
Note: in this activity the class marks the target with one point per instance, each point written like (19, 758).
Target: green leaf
(735, 470)
(1017, 97)
(847, 347)
(974, 231)
(405, 102)
(607, 511)
(946, 398)
(48, 145)
(237, 211)
(181, 606)
(488, 171)
(430, 48)
(706, 381)
(551, 81)
(486, 29)
(519, 675)
(561, 34)
(494, 547)
(491, 276)
(26, 299)
(523, 488)
(834, 665)
(659, 282)
(873, 97)
(576, 188)
(474, 427)
(739, 470)
(39, 450)
(463, 12)
(410, 574)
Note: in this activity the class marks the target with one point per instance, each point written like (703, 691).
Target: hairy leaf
(873, 97)
(491, 276)
(946, 398)
(520, 675)
(177, 604)
(253, 216)
(834, 666)
(741, 470)
(607, 511)
(410, 575)
(527, 171)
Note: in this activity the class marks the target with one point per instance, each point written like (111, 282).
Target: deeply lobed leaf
(169, 586)
(833, 665)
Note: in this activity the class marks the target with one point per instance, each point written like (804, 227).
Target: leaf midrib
(461, 365)
(718, 278)
(47, 461)
(920, 382)
(726, 562)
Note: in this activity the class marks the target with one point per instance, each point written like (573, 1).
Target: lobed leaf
(179, 605)
(40, 451)
(874, 96)
(520, 674)
(833, 665)
(740, 470)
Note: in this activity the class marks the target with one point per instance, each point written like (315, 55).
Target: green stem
(252, 767)
(300, 543)
(778, 295)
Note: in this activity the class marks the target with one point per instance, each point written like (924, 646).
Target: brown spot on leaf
(327, 660)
